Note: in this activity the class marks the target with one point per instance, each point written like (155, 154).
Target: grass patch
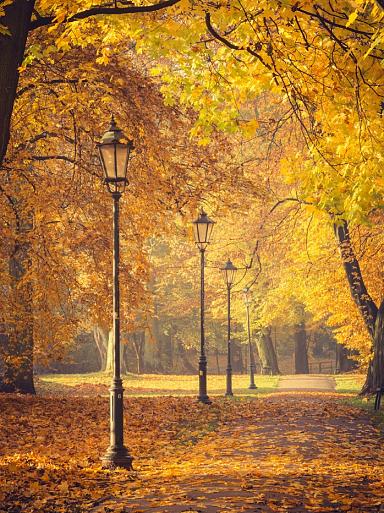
(349, 383)
(150, 384)
(367, 404)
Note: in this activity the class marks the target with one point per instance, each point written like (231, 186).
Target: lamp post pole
(117, 454)
(202, 227)
(203, 396)
(252, 385)
(229, 391)
(229, 271)
(114, 156)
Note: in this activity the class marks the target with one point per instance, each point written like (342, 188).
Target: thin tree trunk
(301, 349)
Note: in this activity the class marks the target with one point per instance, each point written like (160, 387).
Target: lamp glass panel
(121, 161)
(196, 232)
(231, 276)
(107, 153)
(203, 229)
(209, 231)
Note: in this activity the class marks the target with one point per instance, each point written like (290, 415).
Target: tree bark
(376, 374)
(138, 342)
(183, 364)
(104, 342)
(12, 47)
(301, 349)
(267, 353)
(217, 360)
(366, 306)
(17, 342)
(359, 292)
(343, 362)
(100, 336)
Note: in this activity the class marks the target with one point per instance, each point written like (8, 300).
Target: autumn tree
(52, 180)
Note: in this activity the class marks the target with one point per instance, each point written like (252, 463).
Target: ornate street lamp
(229, 271)
(247, 301)
(202, 230)
(114, 151)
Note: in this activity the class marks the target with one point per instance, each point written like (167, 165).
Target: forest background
(267, 114)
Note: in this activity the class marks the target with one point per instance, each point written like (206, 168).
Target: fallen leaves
(283, 453)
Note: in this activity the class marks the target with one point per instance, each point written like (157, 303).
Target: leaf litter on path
(282, 453)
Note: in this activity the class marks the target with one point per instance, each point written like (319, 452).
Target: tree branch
(217, 36)
(27, 88)
(231, 45)
(52, 157)
(95, 11)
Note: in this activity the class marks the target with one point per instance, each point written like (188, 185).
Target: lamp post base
(229, 392)
(204, 399)
(117, 458)
(203, 396)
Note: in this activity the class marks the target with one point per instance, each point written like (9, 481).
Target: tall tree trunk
(343, 362)
(365, 304)
(12, 47)
(217, 360)
(16, 351)
(104, 342)
(109, 361)
(301, 349)
(376, 374)
(138, 342)
(182, 363)
(237, 357)
(100, 336)
(267, 353)
(150, 352)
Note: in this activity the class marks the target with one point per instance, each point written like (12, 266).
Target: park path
(294, 452)
(306, 382)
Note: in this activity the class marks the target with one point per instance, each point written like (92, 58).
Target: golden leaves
(274, 454)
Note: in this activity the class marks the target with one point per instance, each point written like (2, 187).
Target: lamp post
(247, 301)
(114, 154)
(202, 230)
(229, 271)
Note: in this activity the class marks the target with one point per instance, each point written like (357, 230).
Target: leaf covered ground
(291, 452)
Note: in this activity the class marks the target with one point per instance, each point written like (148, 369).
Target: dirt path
(304, 382)
(294, 452)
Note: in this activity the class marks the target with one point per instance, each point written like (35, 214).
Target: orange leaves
(284, 453)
